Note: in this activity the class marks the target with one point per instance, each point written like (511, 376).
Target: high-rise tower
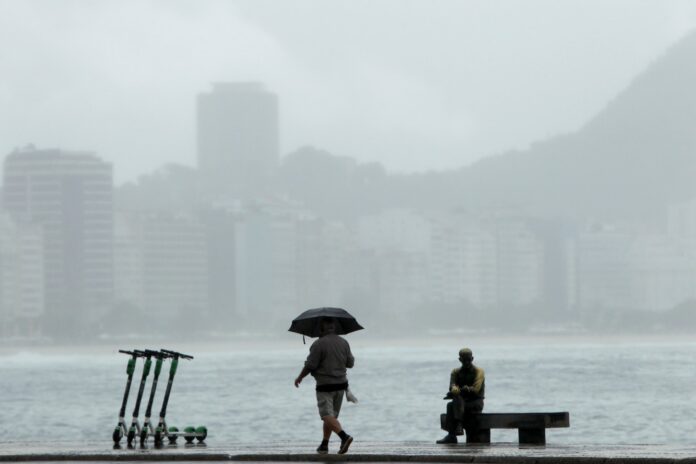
(237, 138)
(69, 195)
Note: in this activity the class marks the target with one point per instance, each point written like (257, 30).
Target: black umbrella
(307, 323)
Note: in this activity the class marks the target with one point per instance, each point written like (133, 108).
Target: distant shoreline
(269, 342)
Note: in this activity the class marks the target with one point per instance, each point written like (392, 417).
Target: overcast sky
(415, 85)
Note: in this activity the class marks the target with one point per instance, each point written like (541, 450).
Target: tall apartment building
(219, 224)
(464, 264)
(162, 264)
(520, 254)
(322, 275)
(265, 265)
(663, 272)
(237, 124)
(603, 270)
(69, 195)
(395, 230)
(486, 261)
(401, 241)
(21, 278)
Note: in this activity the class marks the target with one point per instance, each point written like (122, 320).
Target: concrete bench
(531, 426)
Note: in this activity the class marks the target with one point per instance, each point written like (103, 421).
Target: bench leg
(532, 436)
(480, 436)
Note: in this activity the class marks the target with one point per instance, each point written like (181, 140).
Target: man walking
(329, 356)
(466, 389)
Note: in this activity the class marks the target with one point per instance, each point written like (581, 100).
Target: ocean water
(625, 392)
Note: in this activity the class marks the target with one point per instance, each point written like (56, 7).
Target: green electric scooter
(134, 429)
(148, 428)
(121, 427)
(172, 433)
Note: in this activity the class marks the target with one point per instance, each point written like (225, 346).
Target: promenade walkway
(414, 452)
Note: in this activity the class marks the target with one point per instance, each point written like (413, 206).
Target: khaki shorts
(329, 403)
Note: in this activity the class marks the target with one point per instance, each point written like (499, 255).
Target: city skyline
(250, 261)
(244, 235)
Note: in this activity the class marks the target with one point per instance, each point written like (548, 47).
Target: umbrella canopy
(307, 323)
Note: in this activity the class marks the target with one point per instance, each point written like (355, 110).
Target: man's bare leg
(328, 427)
(331, 424)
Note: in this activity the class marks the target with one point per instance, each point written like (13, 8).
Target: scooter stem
(158, 368)
(172, 372)
(130, 368)
(141, 390)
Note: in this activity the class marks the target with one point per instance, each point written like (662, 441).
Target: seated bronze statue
(466, 390)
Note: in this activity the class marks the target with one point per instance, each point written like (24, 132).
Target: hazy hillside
(633, 158)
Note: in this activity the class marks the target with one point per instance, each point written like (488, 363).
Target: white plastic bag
(350, 396)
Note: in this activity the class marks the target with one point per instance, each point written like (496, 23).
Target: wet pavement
(503, 453)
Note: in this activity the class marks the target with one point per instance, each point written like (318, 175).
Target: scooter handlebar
(137, 353)
(175, 354)
(157, 354)
(131, 353)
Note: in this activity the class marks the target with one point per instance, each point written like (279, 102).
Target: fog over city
(208, 170)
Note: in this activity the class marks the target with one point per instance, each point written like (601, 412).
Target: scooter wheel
(190, 434)
(117, 435)
(158, 437)
(130, 437)
(201, 433)
(173, 437)
(143, 436)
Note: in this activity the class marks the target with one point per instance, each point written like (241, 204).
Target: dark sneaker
(323, 449)
(345, 444)
(448, 440)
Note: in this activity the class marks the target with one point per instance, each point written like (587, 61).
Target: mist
(204, 171)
